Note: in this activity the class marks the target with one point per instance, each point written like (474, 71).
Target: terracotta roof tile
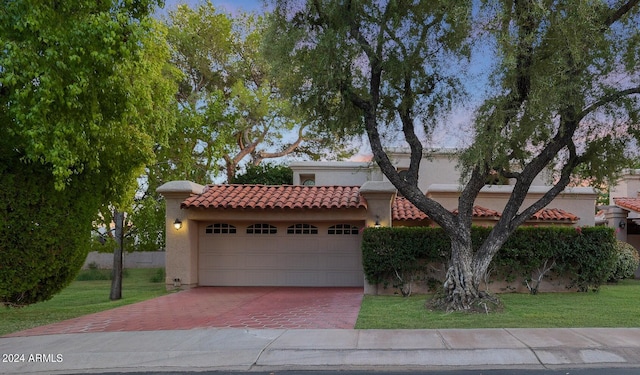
(554, 214)
(632, 204)
(277, 196)
(402, 209)
(479, 211)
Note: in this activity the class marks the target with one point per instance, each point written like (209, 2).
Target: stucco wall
(335, 173)
(435, 273)
(578, 201)
(144, 259)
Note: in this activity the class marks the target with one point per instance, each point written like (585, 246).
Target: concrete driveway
(223, 307)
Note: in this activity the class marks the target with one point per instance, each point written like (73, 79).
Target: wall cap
(377, 187)
(182, 186)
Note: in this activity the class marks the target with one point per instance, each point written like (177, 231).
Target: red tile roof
(297, 197)
(554, 214)
(479, 211)
(402, 209)
(280, 196)
(632, 204)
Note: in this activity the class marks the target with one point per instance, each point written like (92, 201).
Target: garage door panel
(345, 263)
(300, 261)
(279, 259)
(257, 260)
(344, 278)
(300, 278)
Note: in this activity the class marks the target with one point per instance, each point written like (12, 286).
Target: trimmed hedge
(585, 255)
(44, 235)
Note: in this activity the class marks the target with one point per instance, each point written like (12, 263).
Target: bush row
(586, 256)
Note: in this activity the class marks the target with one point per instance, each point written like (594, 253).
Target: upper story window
(308, 179)
(261, 228)
(302, 229)
(343, 229)
(220, 228)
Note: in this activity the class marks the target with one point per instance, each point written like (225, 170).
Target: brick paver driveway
(240, 307)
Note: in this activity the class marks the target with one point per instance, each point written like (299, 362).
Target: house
(623, 211)
(309, 233)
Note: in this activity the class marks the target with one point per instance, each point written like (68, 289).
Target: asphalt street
(582, 371)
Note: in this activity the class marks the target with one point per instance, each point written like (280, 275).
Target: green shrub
(627, 261)
(44, 234)
(93, 274)
(585, 255)
(159, 276)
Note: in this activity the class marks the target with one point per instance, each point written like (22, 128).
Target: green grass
(81, 298)
(615, 305)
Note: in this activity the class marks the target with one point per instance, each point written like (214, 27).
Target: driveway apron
(223, 307)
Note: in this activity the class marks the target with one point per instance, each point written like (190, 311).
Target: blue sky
(230, 6)
(446, 136)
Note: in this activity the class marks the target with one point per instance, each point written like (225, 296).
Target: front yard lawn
(82, 298)
(615, 305)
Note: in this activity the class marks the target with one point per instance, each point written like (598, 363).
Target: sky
(448, 136)
(229, 6)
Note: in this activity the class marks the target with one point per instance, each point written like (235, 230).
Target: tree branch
(292, 147)
(606, 100)
(618, 13)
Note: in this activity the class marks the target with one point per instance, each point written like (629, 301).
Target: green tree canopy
(232, 110)
(265, 174)
(564, 95)
(84, 98)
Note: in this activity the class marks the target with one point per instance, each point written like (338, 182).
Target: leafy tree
(265, 174)
(231, 107)
(563, 95)
(229, 110)
(83, 102)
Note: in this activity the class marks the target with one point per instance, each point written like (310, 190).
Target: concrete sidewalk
(269, 349)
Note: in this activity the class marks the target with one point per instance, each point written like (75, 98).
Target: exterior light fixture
(622, 224)
(177, 224)
(377, 224)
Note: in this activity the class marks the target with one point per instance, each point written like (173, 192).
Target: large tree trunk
(463, 278)
(459, 287)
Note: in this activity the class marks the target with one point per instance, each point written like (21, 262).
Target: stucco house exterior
(309, 233)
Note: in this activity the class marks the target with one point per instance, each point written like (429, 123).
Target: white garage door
(280, 254)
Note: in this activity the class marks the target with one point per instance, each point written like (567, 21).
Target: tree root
(483, 303)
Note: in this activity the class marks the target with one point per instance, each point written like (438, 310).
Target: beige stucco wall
(335, 173)
(441, 167)
(578, 201)
(627, 186)
(182, 244)
(438, 167)
(379, 196)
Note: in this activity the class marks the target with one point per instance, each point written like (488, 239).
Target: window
(302, 229)
(308, 179)
(220, 228)
(261, 228)
(343, 229)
